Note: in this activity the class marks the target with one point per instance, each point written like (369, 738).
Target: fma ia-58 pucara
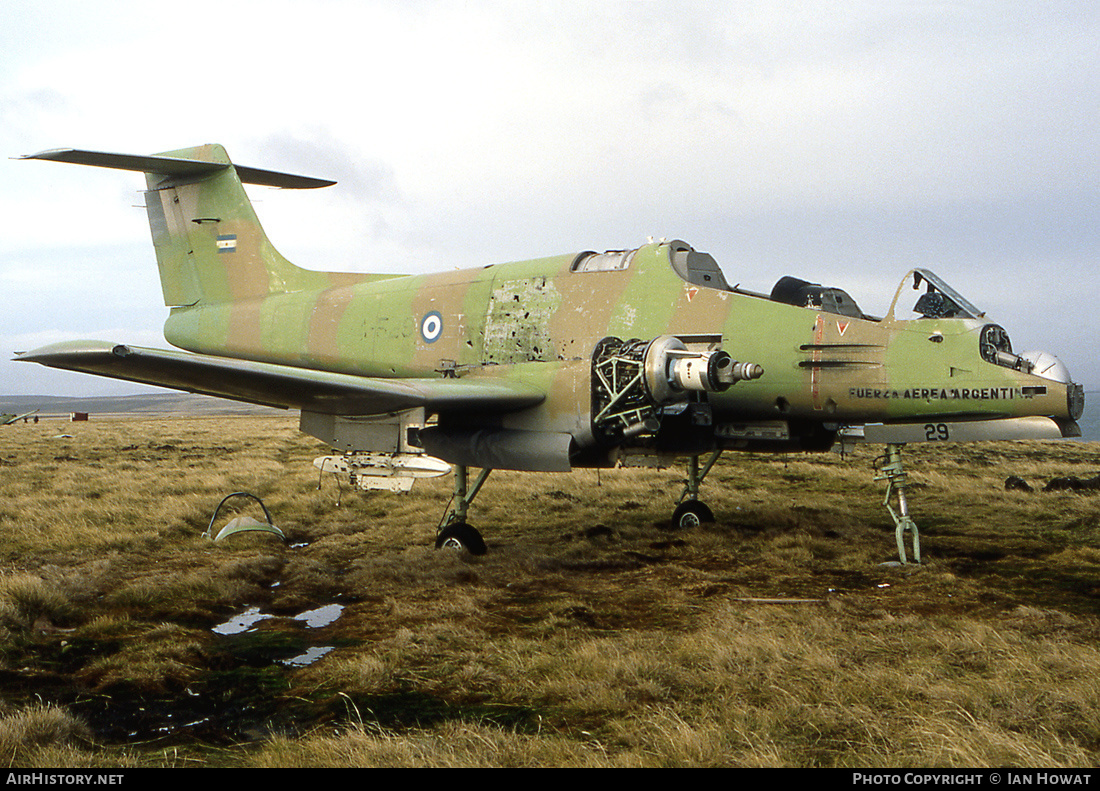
(585, 359)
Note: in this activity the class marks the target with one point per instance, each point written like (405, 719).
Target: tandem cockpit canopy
(701, 269)
(937, 299)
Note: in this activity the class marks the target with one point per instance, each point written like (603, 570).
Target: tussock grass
(451, 745)
(27, 600)
(43, 736)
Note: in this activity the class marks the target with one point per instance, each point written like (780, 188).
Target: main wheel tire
(691, 513)
(462, 537)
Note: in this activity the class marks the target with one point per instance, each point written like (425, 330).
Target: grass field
(589, 635)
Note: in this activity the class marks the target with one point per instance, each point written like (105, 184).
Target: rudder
(209, 243)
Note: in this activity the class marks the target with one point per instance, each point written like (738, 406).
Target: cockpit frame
(939, 300)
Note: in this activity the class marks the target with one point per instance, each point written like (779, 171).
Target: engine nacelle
(632, 380)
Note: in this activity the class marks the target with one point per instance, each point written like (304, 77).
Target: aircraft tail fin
(209, 244)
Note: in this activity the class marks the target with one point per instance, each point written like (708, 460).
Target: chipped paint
(517, 321)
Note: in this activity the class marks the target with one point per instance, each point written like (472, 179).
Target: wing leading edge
(283, 386)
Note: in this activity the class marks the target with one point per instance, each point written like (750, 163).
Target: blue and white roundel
(431, 327)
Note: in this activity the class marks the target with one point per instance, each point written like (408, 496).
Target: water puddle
(241, 622)
(314, 619)
(308, 658)
(322, 616)
(244, 622)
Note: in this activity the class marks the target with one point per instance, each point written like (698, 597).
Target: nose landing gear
(889, 469)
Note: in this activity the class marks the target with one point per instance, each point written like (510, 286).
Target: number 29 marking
(934, 432)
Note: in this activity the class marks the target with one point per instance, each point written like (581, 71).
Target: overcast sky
(841, 142)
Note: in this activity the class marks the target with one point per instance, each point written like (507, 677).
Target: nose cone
(1048, 366)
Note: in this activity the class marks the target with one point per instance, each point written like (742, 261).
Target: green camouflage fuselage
(538, 322)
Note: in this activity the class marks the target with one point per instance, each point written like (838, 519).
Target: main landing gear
(691, 512)
(454, 532)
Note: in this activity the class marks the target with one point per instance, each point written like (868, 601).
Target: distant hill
(146, 404)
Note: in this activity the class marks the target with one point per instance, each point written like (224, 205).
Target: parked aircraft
(7, 418)
(587, 359)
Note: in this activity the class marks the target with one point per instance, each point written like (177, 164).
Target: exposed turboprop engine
(632, 380)
(672, 370)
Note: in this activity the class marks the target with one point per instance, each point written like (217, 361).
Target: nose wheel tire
(461, 536)
(691, 513)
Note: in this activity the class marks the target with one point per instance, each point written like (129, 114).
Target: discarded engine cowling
(632, 380)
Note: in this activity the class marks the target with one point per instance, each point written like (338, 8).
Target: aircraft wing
(283, 386)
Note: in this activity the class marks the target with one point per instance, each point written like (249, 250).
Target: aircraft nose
(1076, 397)
(1048, 366)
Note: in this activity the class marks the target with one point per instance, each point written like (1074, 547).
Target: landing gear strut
(890, 470)
(691, 512)
(454, 532)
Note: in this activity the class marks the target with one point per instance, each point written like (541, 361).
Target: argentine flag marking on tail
(227, 243)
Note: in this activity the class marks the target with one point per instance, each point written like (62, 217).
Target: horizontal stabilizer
(176, 167)
(283, 386)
